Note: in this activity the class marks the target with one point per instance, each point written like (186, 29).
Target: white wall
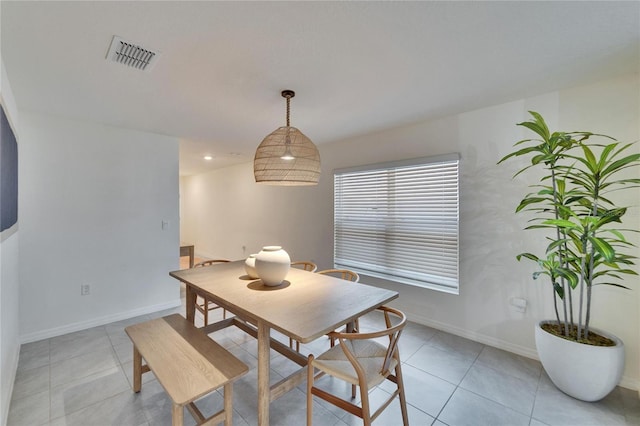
(9, 328)
(227, 215)
(92, 201)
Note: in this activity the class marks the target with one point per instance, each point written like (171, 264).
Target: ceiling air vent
(131, 54)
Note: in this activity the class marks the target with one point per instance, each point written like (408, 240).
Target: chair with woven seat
(305, 265)
(203, 304)
(362, 361)
(346, 275)
(308, 266)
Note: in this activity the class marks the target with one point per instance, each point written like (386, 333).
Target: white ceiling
(356, 67)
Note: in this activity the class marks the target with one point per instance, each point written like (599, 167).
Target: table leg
(264, 390)
(137, 370)
(177, 415)
(190, 300)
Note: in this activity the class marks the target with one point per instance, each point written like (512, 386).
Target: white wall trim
(476, 337)
(630, 383)
(10, 382)
(95, 322)
(625, 382)
(209, 255)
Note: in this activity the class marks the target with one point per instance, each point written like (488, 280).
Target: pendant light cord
(288, 109)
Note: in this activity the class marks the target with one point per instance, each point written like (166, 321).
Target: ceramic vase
(250, 266)
(272, 265)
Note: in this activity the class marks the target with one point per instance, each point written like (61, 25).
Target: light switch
(165, 225)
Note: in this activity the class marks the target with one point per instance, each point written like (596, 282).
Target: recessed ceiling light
(208, 157)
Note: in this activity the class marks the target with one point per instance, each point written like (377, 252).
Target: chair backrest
(209, 262)
(394, 330)
(395, 321)
(344, 274)
(305, 264)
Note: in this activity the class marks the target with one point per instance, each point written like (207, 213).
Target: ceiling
(356, 67)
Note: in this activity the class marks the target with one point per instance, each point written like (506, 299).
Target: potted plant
(586, 247)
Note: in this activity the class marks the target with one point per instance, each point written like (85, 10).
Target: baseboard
(95, 322)
(206, 255)
(6, 398)
(476, 337)
(630, 383)
(625, 382)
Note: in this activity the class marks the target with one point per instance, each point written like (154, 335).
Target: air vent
(132, 54)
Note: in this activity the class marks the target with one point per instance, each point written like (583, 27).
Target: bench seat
(187, 363)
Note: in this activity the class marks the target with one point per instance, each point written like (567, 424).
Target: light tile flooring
(84, 378)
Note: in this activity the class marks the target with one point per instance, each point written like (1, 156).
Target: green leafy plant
(586, 246)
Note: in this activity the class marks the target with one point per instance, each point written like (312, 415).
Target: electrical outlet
(518, 304)
(85, 290)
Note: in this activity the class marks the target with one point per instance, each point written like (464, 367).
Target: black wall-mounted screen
(8, 174)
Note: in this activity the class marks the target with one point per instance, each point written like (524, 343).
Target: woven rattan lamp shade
(270, 168)
(286, 156)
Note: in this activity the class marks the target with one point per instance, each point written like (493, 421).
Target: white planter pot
(272, 265)
(585, 372)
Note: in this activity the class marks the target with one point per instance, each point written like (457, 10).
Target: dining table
(304, 307)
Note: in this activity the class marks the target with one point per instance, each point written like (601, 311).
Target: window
(399, 221)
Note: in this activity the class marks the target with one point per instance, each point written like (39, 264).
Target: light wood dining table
(304, 307)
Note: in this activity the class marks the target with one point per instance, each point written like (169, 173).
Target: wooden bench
(187, 363)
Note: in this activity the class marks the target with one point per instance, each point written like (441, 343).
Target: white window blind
(399, 221)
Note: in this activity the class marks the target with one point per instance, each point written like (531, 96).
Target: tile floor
(84, 378)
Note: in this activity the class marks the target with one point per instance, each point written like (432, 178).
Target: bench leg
(228, 404)
(137, 370)
(176, 414)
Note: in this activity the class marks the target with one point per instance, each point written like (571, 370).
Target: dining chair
(309, 267)
(361, 360)
(347, 275)
(305, 265)
(344, 274)
(203, 304)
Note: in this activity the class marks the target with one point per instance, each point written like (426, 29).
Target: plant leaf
(603, 248)
(612, 284)
(528, 256)
(620, 163)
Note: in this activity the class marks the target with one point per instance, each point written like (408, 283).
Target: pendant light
(286, 156)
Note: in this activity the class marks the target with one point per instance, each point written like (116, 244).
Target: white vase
(250, 266)
(585, 372)
(272, 265)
